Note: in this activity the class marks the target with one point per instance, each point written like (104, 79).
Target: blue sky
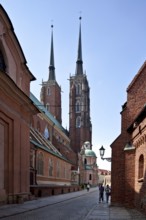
(113, 47)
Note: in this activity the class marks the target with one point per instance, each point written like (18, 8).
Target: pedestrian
(88, 186)
(101, 191)
(107, 192)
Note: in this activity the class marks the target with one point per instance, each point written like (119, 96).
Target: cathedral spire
(79, 63)
(52, 65)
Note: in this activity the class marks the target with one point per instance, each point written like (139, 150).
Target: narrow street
(81, 205)
(73, 208)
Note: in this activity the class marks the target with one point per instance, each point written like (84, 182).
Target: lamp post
(102, 151)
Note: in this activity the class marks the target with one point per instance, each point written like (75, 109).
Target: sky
(113, 50)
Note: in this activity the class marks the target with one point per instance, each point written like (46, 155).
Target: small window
(78, 89)
(141, 167)
(78, 106)
(46, 133)
(78, 122)
(47, 106)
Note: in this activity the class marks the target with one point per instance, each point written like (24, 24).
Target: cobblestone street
(80, 205)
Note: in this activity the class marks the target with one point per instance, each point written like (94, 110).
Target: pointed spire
(52, 65)
(79, 63)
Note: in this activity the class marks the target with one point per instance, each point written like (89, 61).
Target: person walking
(101, 191)
(88, 186)
(107, 192)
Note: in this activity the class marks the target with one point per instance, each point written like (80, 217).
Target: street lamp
(102, 151)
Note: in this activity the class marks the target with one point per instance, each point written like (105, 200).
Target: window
(78, 106)
(78, 89)
(46, 133)
(50, 167)
(48, 107)
(58, 169)
(90, 176)
(141, 167)
(40, 163)
(85, 161)
(78, 122)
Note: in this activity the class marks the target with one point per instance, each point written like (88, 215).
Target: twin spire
(79, 62)
(52, 64)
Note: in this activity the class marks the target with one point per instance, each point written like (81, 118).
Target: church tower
(51, 92)
(80, 127)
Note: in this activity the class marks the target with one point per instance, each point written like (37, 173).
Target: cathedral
(38, 156)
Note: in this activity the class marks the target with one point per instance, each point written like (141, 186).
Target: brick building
(37, 153)
(16, 110)
(128, 150)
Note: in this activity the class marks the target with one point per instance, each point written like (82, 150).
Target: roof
(42, 108)
(90, 153)
(41, 142)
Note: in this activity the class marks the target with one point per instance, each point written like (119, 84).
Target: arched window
(78, 122)
(48, 107)
(2, 62)
(78, 89)
(78, 106)
(46, 133)
(141, 167)
(40, 163)
(50, 167)
(58, 169)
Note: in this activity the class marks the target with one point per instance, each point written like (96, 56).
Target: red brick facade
(128, 150)
(16, 110)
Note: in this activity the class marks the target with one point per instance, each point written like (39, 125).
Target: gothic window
(141, 167)
(78, 122)
(50, 167)
(47, 106)
(2, 62)
(46, 133)
(40, 163)
(78, 106)
(78, 89)
(58, 169)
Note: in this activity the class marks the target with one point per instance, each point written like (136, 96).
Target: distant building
(104, 177)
